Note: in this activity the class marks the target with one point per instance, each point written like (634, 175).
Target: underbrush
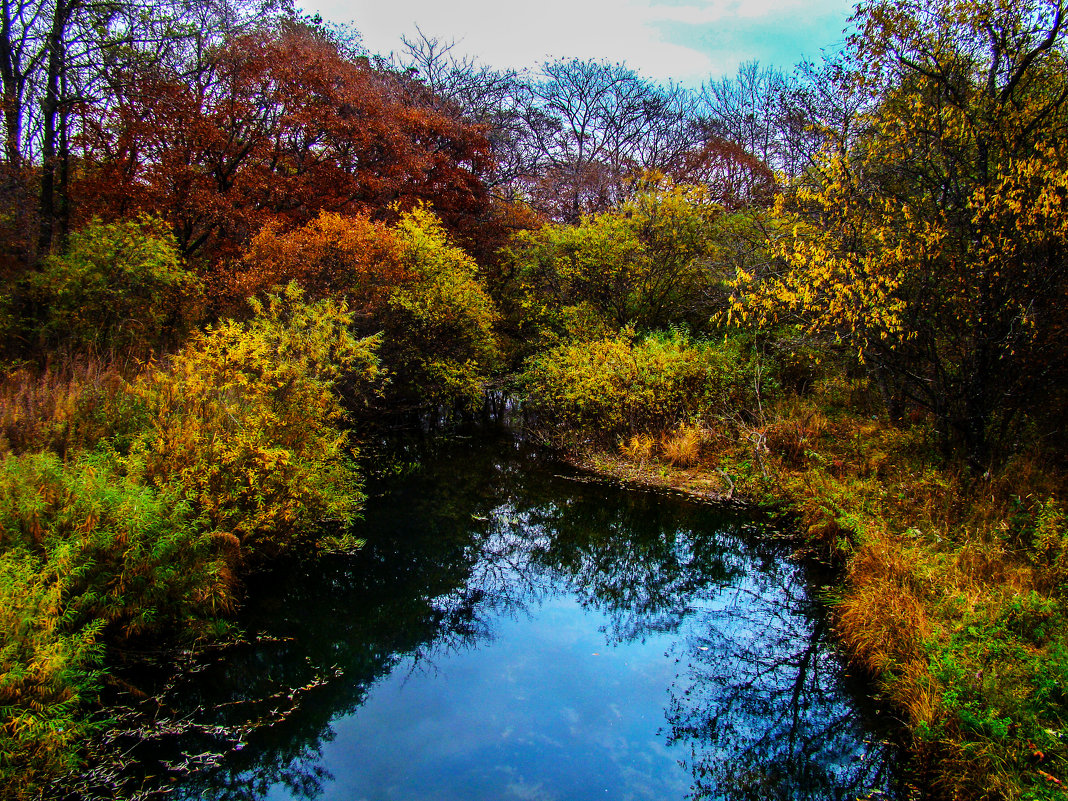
(69, 407)
(952, 595)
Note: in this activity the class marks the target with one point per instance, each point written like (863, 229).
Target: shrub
(644, 264)
(247, 423)
(440, 343)
(1051, 548)
(617, 386)
(237, 450)
(85, 555)
(120, 286)
(126, 554)
(408, 281)
(46, 676)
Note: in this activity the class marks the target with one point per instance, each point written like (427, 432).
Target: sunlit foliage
(622, 385)
(933, 240)
(440, 340)
(649, 263)
(117, 287)
(245, 421)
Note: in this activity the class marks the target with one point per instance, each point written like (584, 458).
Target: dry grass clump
(882, 617)
(682, 447)
(63, 408)
(985, 563)
(639, 448)
(793, 438)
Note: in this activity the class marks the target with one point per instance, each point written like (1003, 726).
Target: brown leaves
(278, 126)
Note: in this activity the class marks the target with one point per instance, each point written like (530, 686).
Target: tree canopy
(932, 239)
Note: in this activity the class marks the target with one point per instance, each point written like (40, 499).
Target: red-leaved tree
(278, 126)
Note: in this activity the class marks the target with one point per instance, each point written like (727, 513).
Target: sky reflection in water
(508, 633)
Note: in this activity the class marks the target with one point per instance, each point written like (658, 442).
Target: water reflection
(760, 702)
(507, 632)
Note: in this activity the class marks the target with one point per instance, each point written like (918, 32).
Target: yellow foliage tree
(440, 340)
(644, 264)
(934, 242)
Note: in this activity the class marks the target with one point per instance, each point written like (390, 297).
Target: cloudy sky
(681, 40)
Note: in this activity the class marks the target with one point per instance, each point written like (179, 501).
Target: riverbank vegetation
(840, 292)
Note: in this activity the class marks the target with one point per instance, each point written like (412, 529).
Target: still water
(511, 630)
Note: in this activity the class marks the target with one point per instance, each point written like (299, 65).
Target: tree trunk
(50, 108)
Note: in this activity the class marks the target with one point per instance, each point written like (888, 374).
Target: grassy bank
(952, 589)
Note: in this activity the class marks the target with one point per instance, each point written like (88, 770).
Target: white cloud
(506, 33)
(723, 10)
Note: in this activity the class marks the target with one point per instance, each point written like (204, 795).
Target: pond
(514, 630)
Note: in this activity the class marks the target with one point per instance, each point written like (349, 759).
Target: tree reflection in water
(760, 703)
(483, 534)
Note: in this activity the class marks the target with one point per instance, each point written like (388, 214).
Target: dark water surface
(511, 631)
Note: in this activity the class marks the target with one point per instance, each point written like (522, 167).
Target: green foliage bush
(621, 385)
(125, 554)
(646, 264)
(1051, 548)
(86, 555)
(119, 287)
(47, 673)
(440, 343)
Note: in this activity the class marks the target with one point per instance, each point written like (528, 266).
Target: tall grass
(682, 447)
(69, 406)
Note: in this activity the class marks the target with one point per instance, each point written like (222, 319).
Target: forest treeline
(228, 234)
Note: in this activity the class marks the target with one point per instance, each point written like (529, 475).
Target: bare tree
(607, 123)
(60, 56)
(751, 110)
(498, 100)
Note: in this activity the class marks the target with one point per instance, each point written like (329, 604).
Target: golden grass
(639, 448)
(682, 447)
(882, 617)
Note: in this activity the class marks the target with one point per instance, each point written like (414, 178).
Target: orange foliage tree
(333, 255)
(279, 125)
(408, 282)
